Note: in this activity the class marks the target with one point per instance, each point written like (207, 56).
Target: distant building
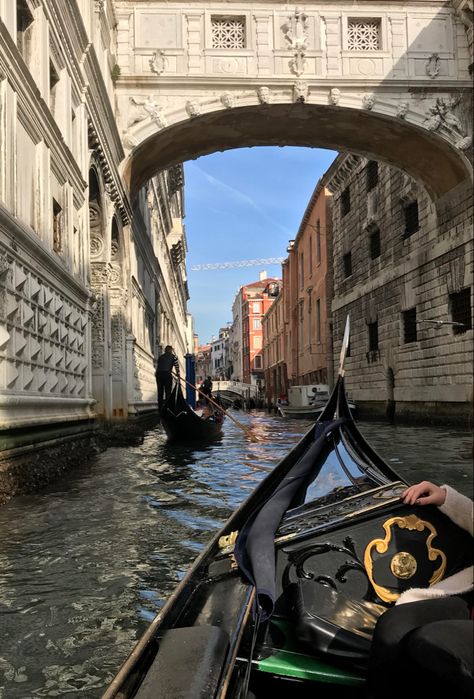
(203, 363)
(297, 327)
(220, 355)
(252, 302)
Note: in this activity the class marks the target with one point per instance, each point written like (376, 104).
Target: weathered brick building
(403, 271)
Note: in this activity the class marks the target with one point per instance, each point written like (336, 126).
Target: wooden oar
(247, 431)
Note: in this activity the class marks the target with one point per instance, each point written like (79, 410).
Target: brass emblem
(228, 540)
(403, 565)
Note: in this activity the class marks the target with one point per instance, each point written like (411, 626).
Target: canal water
(86, 564)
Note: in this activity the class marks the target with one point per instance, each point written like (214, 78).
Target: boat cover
(254, 548)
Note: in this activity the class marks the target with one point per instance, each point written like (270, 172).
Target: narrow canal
(86, 564)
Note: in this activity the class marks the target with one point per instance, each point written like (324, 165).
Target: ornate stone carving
(158, 62)
(228, 32)
(368, 101)
(432, 66)
(144, 107)
(402, 110)
(441, 114)
(94, 214)
(296, 30)
(334, 96)
(228, 100)
(298, 63)
(193, 108)
(300, 91)
(264, 95)
(97, 246)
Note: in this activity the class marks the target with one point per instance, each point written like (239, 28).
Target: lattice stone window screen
(363, 34)
(228, 32)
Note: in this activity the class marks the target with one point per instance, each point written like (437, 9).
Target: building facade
(91, 286)
(404, 275)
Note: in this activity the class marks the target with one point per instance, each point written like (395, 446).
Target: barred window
(461, 311)
(372, 174)
(228, 32)
(364, 34)
(57, 227)
(374, 244)
(412, 223)
(373, 336)
(347, 262)
(409, 325)
(346, 201)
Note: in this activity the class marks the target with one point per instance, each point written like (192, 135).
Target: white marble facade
(90, 288)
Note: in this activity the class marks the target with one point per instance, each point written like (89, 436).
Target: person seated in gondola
(206, 389)
(163, 374)
(423, 646)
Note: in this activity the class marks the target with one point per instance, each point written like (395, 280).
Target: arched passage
(424, 155)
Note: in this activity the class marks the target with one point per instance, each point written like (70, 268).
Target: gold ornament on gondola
(403, 565)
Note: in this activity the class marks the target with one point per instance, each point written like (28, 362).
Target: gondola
(285, 597)
(183, 424)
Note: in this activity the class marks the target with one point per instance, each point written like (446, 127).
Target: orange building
(255, 300)
(297, 332)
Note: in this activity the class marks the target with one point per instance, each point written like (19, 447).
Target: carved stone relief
(228, 100)
(368, 101)
(158, 62)
(334, 96)
(432, 66)
(264, 95)
(300, 91)
(441, 115)
(193, 108)
(402, 110)
(296, 30)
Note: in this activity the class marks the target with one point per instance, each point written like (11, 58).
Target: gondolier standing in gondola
(164, 378)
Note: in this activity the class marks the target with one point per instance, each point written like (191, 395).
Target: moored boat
(286, 595)
(184, 424)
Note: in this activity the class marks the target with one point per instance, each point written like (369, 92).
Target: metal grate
(409, 325)
(372, 173)
(228, 32)
(346, 201)
(347, 262)
(461, 310)
(374, 244)
(364, 34)
(412, 223)
(373, 336)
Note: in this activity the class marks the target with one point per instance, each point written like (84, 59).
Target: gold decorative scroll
(228, 540)
(403, 565)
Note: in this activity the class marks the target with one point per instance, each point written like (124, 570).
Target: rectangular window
(257, 362)
(412, 224)
(318, 320)
(347, 262)
(57, 225)
(228, 32)
(256, 324)
(310, 317)
(346, 201)
(409, 326)
(301, 270)
(461, 311)
(372, 174)
(373, 336)
(318, 240)
(256, 307)
(310, 255)
(257, 342)
(374, 244)
(363, 34)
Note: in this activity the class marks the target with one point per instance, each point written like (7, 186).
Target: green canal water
(86, 564)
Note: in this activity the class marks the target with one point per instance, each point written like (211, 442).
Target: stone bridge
(387, 80)
(246, 390)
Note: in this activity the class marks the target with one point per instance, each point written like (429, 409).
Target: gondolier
(164, 378)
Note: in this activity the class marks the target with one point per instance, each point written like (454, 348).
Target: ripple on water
(86, 564)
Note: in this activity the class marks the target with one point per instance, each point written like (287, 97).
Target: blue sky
(242, 204)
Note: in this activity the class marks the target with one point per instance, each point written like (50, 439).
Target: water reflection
(85, 565)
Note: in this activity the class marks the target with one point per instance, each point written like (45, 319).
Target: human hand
(424, 493)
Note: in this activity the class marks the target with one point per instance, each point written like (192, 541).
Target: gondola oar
(247, 431)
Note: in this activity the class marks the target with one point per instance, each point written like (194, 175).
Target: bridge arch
(394, 134)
